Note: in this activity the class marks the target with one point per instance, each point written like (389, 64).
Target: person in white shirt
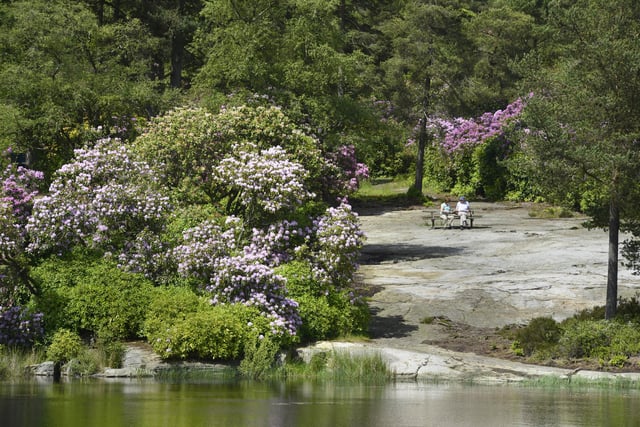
(446, 213)
(463, 210)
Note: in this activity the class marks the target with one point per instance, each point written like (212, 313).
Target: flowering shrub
(460, 133)
(349, 172)
(256, 171)
(335, 246)
(264, 180)
(233, 273)
(470, 155)
(103, 199)
(19, 327)
(19, 189)
(188, 144)
(17, 195)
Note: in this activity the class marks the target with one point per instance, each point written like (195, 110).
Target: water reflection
(154, 404)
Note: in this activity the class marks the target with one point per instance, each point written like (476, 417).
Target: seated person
(446, 214)
(463, 209)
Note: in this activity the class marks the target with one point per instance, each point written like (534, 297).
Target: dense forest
(179, 170)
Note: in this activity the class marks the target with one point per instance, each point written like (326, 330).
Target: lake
(139, 402)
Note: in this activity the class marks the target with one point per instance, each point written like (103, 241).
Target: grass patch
(547, 212)
(393, 192)
(340, 367)
(350, 368)
(383, 187)
(14, 362)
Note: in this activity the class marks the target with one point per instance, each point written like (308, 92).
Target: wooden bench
(435, 217)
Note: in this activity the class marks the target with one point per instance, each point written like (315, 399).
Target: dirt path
(508, 269)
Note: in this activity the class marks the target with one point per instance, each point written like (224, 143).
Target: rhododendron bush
(103, 199)
(255, 172)
(18, 325)
(469, 155)
(187, 144)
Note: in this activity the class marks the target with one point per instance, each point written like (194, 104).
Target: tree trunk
(422, 137)
(612, 273)
(422, 143)
(177, 57)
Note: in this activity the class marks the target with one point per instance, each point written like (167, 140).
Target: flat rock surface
(507, 269)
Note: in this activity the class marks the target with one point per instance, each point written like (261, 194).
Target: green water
(154, 404)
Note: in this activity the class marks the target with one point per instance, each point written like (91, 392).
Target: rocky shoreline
(431, 364)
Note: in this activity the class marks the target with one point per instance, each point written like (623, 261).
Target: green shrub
(56, 277)
(169, 305)
(110, 303)
(628, 309)
(212, 332)
(595, 313)
(53, 303)
(319, 319)
(88, 294)
(540, 334)
(586, 338)
(111, 353)
(325, 313)
(65, 345)
(259, 357)
(625, 340)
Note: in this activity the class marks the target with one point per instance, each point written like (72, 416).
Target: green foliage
(91, 295)
(540, 334)
(325, 313)
(170, 305)
(587, 338)
(586, 335)
(63, 75)
(259, 358)
(628, 310)
(181, 325)
(110, 303)
(439, 169)
(516, 348)
(14, 360)
(65, 345)
(500, 35)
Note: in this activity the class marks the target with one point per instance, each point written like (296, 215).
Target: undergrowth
(585, 337)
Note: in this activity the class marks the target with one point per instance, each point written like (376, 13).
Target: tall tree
(293, 51)
(171, 23)
(584, 119)
(501, 36)
(428, 63)
(62, 74)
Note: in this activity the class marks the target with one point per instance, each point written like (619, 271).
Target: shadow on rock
(377, 254)
(389, 327)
